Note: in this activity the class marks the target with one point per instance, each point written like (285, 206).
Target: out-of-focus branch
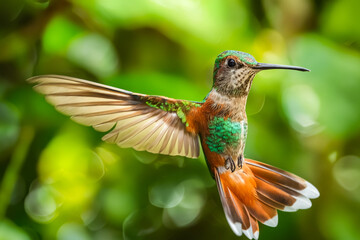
(14, 167)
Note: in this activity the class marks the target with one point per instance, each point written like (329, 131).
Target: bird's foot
(229, 164)
(240, 161)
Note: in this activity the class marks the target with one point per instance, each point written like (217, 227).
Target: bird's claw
(229, 164)
(240, 161)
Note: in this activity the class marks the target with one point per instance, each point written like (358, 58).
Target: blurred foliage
(64, 183)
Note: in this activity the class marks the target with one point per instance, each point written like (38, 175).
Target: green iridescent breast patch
(224, 133)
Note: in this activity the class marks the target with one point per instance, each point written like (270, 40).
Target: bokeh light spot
(347, 172)
(69, 166)
(107, 156)
(95, 53)
(118, 204)
(302, 106)
(142, 223)
(189, 208)
(73, 231)
(166, 194)
(145, 157)
(40, 205)
(333, 156)
(58, 35)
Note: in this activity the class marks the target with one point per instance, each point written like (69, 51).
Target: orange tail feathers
(255, 192)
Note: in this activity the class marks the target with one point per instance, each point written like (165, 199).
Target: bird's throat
(236, 84)
(233, 107)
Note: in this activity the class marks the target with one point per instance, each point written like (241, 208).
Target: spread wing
(152, 123)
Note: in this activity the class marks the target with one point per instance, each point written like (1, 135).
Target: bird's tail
(254, 193)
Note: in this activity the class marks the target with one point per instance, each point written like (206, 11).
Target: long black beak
(266, 66)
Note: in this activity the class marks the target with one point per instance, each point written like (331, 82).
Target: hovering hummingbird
(250, 191)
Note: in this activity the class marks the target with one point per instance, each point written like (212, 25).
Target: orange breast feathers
(197, 118)
(198, 123)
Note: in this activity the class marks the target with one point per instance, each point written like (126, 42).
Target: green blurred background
(59, 181)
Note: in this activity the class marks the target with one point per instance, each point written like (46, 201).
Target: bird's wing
(152, 123)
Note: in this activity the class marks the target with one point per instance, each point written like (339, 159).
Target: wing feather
(180, 142)
(174, 139)
(141, 130)
(186, 143)
(169, 132)
(143, 122)
(146, 139)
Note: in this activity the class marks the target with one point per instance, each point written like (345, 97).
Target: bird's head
(234, 72)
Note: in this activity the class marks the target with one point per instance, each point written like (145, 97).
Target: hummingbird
(250, 191)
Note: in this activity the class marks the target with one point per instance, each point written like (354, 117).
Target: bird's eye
(231, 62)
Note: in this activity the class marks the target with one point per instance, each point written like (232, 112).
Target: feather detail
(152, 123)
(255, 193)
(288, 182)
